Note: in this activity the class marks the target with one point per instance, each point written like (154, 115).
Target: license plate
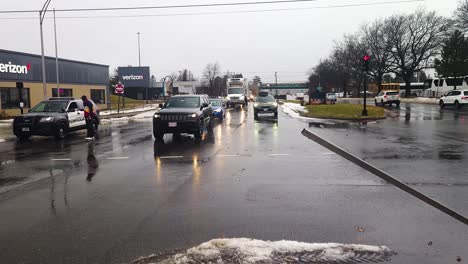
(172, 124)
(25, 129)
(264, 109)
(266, 114)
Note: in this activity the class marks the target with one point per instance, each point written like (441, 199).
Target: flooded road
(125, 196)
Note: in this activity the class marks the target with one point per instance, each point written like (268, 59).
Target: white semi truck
(237, 92)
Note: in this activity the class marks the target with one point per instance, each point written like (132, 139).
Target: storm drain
(244, 250)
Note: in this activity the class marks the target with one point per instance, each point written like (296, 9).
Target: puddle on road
(245, 250)
(450, 155)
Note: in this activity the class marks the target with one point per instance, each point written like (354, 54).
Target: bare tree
(414, 38)
(211, 71)
(375, 42)
(461, 16)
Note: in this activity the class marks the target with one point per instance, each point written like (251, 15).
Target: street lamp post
(56, 58)
(41, 20)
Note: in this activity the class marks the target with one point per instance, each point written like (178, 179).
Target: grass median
(343, 111)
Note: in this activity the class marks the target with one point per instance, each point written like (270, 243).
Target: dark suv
(54, 117)
(265, 106)
(183, 114)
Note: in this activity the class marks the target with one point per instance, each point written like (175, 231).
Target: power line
(227, 12)
(208, 5)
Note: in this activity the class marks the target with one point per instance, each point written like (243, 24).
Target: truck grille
(234, 99)
(173, 117)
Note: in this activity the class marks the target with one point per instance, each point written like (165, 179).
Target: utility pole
(56, 58)
(41, 20)
(276, 82)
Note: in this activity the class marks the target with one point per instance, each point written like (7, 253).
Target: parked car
(387, 97)
(53, 117)
(331, 97)
(219, 108)
(265, 107)
(183, 114)
(457, 98)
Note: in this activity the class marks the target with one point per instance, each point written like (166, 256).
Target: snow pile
(2, 140)
(421, 100)
(250, 251)
(293, 109)
(138, 109)
(147, 114)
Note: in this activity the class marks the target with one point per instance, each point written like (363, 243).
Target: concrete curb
(385, 176)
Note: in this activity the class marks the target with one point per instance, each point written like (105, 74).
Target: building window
(10, 98)
(98, 96)
(64, 92)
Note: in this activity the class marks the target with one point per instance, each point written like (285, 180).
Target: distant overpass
(285, 86)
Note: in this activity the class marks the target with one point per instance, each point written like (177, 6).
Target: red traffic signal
(366, 58)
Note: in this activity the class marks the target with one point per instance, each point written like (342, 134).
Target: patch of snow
(2, 140)
(246, 250)
(138, 109)
(421, 100)
(148, 114)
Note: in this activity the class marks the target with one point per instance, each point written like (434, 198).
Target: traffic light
(365, 65)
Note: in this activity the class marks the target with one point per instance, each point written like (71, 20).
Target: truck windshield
(235, 91)
(49, 106)
(183, 102)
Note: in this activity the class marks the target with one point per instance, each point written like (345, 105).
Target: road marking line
(171, 157)
(60, 159)
(278, 154)
(117, 158)
(228, 155)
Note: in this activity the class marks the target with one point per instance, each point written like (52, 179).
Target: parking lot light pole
(41, 20)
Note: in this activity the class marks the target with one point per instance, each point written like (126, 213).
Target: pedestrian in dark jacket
(88, 114)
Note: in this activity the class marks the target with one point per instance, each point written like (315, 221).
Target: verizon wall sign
(14, 68)
(134, 76)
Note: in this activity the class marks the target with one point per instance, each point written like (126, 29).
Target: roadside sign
(119, 88)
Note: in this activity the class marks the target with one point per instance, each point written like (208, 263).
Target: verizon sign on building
(134, 76)
(14, 68)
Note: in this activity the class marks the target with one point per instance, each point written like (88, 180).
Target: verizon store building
(137, 83)
(76, 79)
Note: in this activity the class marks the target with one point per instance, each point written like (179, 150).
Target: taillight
(385, 96)
(464, 97)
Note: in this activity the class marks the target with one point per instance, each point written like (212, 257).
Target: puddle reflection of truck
(237, 92)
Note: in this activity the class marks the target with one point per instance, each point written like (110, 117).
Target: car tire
(457, 105)
(158, 136)
(61, 131)
(441, 104)
(397, 104)
(255, 116)
(376, 104)
(382, 103)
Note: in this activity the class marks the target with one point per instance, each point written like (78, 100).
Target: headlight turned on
(192, 115)
(157, 115)
(46, 119)
(218, 110)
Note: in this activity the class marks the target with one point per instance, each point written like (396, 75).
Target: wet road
(125, 196)
(425, 147)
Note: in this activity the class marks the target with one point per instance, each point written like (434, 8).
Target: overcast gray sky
(289, 42)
